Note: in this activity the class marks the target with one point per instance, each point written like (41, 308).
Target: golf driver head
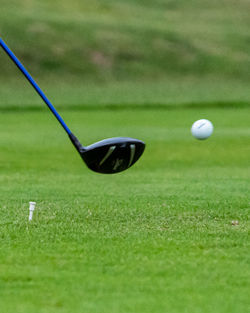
(111, 155)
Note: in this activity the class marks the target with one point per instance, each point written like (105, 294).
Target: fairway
(156, 238)
(171, 233)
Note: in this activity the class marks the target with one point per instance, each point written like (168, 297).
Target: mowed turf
(124, 40)
(156, 238)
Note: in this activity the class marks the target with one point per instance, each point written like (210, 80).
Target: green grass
(157, 238)
(118, 40)
(172, 94)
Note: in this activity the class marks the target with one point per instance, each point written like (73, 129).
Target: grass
(117, 40)
(172, 94)
(155, 238)
(158, 237)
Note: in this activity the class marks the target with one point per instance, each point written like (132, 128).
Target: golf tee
(31, 210)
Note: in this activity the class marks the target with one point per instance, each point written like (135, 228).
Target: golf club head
(111, 155)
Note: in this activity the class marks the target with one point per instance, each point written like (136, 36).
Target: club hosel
(76, 143)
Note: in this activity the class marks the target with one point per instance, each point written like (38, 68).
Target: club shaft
(34, 84)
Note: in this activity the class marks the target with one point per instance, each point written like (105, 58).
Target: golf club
(108, 156)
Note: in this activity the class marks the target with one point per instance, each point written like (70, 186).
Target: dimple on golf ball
(202, 129)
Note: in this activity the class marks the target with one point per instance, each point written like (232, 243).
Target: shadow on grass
(145, 106)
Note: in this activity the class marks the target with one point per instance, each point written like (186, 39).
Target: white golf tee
(31, 209)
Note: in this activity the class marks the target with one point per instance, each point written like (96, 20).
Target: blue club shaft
(34, 84)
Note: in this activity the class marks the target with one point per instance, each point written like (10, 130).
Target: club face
(112, 155)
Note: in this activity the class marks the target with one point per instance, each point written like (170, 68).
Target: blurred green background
(141, 51)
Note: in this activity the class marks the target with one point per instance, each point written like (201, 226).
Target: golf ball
(202, 129)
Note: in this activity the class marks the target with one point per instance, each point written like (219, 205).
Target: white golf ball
(202, 129)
